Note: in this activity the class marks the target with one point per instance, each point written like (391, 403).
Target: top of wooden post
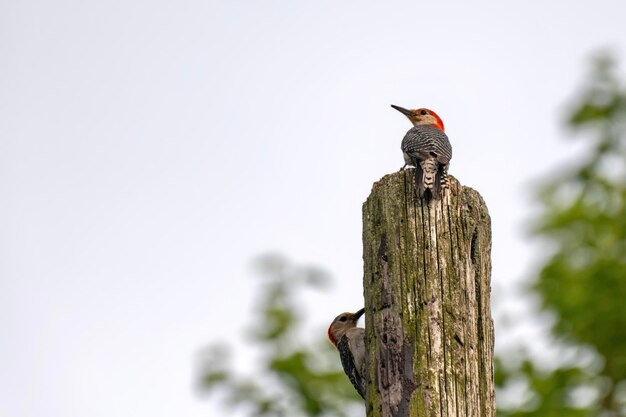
(429, 332)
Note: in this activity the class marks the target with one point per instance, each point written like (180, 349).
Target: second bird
(350, 342)
(427, 148)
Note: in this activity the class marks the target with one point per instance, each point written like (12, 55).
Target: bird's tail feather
(442, 178)
(419, 180)
(427, 177)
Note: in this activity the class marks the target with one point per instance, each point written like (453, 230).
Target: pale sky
(149, 150)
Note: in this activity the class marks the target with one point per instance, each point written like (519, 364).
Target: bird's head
(342, 324)
(421, 117)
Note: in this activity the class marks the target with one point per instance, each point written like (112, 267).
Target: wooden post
(429, 332)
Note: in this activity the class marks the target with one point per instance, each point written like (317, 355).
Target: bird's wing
(353, 366)
(442, 148)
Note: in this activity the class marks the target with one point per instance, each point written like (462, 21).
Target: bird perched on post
(350, 342)
(426, 147)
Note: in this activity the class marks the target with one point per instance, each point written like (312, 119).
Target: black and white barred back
(428, 149)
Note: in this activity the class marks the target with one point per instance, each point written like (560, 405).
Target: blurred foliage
(583, 281)
(297, 375)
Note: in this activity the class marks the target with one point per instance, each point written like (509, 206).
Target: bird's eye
(343, 318)
(423, 112)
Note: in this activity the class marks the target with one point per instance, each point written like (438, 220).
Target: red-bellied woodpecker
(427, 148)
(350, 342)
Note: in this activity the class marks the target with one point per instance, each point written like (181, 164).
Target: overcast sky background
(149, 150)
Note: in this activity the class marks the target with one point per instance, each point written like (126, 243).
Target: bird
(426, 147)
(350, 342)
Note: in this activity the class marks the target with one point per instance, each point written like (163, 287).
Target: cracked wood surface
(429, 332)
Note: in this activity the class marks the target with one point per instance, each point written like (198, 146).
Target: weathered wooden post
(429, 332)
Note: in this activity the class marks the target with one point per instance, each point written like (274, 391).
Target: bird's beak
(358, 314)
(402, 110)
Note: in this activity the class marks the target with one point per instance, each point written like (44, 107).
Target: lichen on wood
(427, 298)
